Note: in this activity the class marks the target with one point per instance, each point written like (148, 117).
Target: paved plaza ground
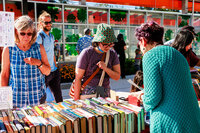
(119, 86)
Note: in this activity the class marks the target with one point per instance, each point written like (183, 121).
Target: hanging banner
(6, 99)
(7, 34)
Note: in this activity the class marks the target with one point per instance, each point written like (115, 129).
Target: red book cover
(133, 100)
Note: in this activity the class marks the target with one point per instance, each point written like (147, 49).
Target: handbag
(72, 87)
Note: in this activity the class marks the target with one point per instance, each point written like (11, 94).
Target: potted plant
(71, 18)
(184, 20)
(168, 35)
(117, 16)
(56, 33)
(82, 15)
(67, 73)
(51, 9)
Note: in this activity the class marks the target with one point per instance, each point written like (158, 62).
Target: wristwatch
(40, 65)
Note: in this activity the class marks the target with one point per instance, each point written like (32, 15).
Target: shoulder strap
(103, 73)
(42, 36)
(92, 76)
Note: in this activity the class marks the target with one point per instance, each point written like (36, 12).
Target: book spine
(55, 120)
(35, 112)
(24, 112)
(8, 127)
(71, 113)
(1, 116)
(5, 116)
(45, 115)
(28, 122)
(64, 105)
(56, 106)
(61, 119)
(18, 125)
(25, 126)
(67, 104)
(13, 126)
(20, 114)
(112, 101)
(30, 112)
(2, 127)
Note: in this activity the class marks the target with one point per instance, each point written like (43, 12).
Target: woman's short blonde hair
(24, 23)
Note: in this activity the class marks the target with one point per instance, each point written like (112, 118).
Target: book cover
(13, 127)
(19, 126)
(59, 123)
(2, 127)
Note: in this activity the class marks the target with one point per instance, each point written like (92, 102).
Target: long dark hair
(183, 39)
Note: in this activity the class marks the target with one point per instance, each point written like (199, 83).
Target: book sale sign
(6, 99)
(6, 29)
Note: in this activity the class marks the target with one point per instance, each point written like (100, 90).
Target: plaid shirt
(28, 83)
(83, 43)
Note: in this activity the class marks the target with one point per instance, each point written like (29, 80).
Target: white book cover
(7, 35)
(6, 98)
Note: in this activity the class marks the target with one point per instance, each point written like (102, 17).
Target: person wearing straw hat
(90, 59)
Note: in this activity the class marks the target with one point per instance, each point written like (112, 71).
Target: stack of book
(95, 115)
(196, 86)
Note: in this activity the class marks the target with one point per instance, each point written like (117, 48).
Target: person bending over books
(90, 59)
(24, 64)
(168, 92)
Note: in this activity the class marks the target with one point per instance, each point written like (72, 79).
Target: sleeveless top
(28, 83)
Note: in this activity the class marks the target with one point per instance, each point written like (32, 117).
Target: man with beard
(47, 40)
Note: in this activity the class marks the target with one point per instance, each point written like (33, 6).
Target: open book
(132, 83)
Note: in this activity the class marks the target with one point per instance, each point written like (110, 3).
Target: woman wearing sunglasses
(168, 91)
(24, 65)
(90, 59)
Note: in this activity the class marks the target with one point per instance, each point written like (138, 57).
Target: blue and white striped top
(28, 83)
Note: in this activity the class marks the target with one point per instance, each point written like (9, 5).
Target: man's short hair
(44, 14)
(87, 31)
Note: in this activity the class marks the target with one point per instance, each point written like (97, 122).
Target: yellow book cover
(39, 111)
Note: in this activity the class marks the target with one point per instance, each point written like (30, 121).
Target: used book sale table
(96, 115)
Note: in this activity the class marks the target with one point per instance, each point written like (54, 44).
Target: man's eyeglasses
(108, 44)
(46, 23)
(28, 34)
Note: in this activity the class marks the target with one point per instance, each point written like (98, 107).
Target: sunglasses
(108, 44)
(46, 23)
(28, 34)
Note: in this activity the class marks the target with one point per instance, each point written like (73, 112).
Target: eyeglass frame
(108, 44)
(24, 33)
(46, 23)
